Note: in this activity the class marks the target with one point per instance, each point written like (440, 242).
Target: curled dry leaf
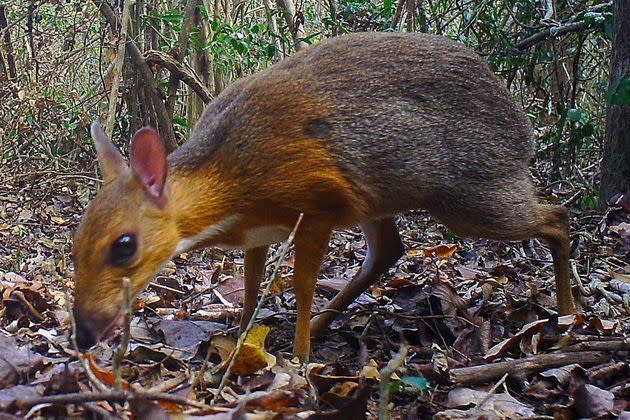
(106, 377)
(529, 337)
(324, 383)
(370, 370)
(271, 401)
(505, 345)
(252, 357)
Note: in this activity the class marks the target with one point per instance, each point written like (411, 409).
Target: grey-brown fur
(419, 119)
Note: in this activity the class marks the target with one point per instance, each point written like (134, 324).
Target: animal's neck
(201, 200)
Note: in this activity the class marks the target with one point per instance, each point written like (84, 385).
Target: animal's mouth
(117, 322)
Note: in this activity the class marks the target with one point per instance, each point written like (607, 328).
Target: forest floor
(479, 318)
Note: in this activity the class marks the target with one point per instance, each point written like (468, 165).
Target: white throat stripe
(208, 233)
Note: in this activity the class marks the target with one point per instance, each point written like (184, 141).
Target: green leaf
(271, 50)
(172, 17)
(619, 92)
(395, 386)
(181, 121)
(588, 130)
(388, 5)
(575, 114)
(589, 202)
(416, 381)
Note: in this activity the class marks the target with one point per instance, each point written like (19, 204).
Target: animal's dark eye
(123, 249)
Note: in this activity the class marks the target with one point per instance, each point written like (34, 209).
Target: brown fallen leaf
(592, 401)
(502, 405)
(16, 362)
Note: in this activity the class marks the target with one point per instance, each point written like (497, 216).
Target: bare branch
(183, 73)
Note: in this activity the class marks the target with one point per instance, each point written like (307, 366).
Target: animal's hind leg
(384, 249)
(552, 225)
(511, 217)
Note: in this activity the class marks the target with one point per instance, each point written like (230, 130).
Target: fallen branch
(113, 396)
(527, 366)
(599, 346)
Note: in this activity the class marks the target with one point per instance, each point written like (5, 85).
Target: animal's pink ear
(110, 160)
(148, 161)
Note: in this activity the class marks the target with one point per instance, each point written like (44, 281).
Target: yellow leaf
(370, 370)
(253, 356)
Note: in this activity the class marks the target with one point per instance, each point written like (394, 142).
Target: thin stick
(111, 396)
(386, 376)
(584, 291)
(126, 336)
(196, 382)
(276, 273)
(73, 340)
(491, 392)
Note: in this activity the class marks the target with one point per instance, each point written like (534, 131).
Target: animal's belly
(259, 236)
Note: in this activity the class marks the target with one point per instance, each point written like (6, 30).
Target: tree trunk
(6, 40)
(616, 161)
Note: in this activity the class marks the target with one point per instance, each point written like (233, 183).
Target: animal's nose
(84, 335)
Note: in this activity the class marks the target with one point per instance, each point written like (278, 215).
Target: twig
(124, 342)
(386, 376)
(583, 290)
(73, 340)
(485, 373)
(574, 197)
(551, 32)
(169, 289)
(111, 396)
(491, 392)
(274, 276)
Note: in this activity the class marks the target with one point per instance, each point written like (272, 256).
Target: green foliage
(605, 19)
(590, 201)
(180, 121)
